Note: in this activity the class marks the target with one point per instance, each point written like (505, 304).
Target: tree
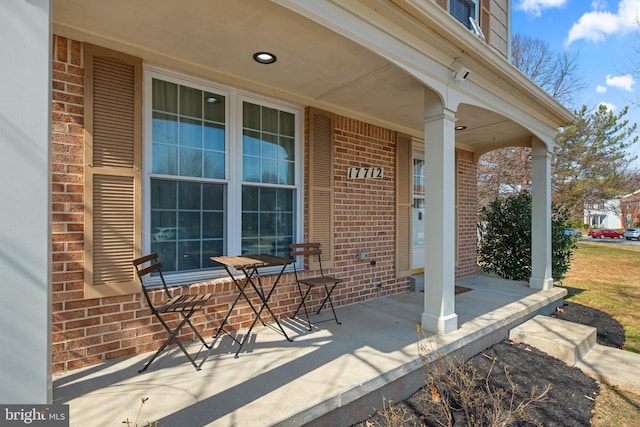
(556, 73)
(635, 59)
(591, 162)
(507, 171)
(503, 172)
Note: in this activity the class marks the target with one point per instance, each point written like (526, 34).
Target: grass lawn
(606, 276)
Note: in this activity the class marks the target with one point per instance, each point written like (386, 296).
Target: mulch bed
(610, 332)
(571, 400)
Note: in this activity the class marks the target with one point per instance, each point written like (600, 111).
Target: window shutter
(485, 18)
(113, 163)
(404, 172)
(321, 223)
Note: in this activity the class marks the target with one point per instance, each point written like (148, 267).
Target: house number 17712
(364, 172)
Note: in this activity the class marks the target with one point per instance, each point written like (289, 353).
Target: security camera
(461, 74)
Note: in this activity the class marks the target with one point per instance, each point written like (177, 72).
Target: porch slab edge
(356, 404)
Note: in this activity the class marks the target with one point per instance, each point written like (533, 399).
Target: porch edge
(356, 404)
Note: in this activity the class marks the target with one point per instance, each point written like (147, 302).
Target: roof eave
(436, 18)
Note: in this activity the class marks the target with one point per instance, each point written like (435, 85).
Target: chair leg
(302, 304)
(195, 331)
(173, 335)
(328, 298)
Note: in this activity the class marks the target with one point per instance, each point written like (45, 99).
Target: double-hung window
(462, 10)
(223, 174)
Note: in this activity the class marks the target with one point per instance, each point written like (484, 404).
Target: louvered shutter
(321, 223)
(404, 170)
(113, 162)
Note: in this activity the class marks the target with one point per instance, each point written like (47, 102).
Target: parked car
(632, 233)
(601, 234)
(572, 232)
(159, 234)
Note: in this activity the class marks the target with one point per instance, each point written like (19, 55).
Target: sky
(605, 34)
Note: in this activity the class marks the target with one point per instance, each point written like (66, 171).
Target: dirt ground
(570, 402)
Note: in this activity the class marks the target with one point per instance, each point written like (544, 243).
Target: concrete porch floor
(333, 375)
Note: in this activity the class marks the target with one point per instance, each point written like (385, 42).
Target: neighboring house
(167, 134)
(630, 208)
(604, 214)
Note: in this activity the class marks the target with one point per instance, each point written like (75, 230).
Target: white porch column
(25, 115)
(439, 281)
(540, 216)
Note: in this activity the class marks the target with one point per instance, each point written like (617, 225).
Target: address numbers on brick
(364, 172)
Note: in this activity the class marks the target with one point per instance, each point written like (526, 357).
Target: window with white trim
(462, 10)
(223, 174)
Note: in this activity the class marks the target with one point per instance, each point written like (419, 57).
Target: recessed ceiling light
(461, 127)
(264, 57)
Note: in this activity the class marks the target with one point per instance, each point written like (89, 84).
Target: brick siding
(365, 211)
(630, 208)
(91, 331)
(467, 208)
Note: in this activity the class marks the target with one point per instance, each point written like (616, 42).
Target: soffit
(314, 64)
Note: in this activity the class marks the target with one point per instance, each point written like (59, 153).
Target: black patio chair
(186, 305)
(328, 282)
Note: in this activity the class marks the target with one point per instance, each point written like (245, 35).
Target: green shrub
(562, 246)
(505, 239)
(576, 224)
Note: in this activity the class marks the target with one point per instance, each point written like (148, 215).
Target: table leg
(265, 303)
(241, 289)
(265, 300)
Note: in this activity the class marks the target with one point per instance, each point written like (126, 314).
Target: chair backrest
(307, 249)
(142, 271)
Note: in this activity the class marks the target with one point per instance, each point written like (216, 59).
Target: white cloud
(625, 82)
(598, 4)
(535, 7)
(601, 89)
(609, 106)
(596, 25)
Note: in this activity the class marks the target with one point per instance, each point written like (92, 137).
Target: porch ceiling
(315, 65)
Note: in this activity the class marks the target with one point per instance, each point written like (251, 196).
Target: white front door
(417, 226)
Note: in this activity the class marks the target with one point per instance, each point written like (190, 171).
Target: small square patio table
(249, 266)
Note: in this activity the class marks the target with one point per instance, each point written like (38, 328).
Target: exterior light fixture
(264, 57)
(460, 127)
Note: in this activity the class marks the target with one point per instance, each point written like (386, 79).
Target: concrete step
(575, 344)
(613, 366)
(564, 340)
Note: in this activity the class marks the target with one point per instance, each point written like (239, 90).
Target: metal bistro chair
(186, 305)
(329, 283)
